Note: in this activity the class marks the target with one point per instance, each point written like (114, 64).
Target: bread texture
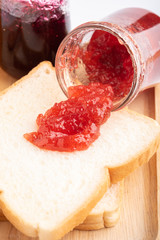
(105, 214)
(48, 193)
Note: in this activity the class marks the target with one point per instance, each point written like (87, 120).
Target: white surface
(90, 10)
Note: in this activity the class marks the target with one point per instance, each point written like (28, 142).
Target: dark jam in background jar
(30, 32)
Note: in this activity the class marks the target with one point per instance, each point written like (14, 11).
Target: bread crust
(104, 219)
(78, 216)
(104, 222)
(67, 225)
(117, 173)
(120, 172)
(33, 71)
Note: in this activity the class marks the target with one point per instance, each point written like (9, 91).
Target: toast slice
(105, 214)
(46, 193)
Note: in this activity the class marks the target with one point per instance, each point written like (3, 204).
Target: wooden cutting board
(140, 214)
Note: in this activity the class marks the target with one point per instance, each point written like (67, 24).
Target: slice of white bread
(46, 193)
(107, 212)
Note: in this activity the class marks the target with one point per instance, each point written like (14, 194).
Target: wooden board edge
(157, 117)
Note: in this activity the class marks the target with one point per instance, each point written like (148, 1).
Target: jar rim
(123, 36)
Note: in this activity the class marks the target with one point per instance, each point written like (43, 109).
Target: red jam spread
(108, 61)
(75, 123)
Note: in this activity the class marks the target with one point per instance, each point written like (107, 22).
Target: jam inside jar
(122, 50)
(107, 61)
(30, 32)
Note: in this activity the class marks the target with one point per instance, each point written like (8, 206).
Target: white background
(91, 10)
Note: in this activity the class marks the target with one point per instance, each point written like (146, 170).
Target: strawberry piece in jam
(74, 124)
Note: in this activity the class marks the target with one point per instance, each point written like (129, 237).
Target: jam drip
(75, 123)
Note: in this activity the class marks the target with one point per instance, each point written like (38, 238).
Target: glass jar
(126, 42)
(30, 32)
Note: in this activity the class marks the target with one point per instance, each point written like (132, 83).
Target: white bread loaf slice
(105, 214)
(46, 193)
(107, 211)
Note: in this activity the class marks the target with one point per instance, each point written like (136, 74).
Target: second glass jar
(30, 32)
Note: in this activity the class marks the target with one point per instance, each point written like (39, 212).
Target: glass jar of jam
(30, 32)
(122, 50)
